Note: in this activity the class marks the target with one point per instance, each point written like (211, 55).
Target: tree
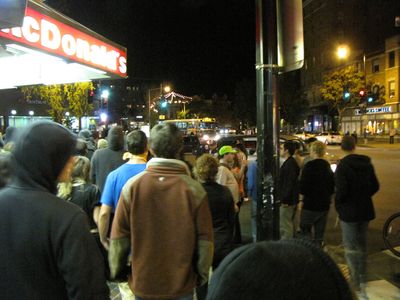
(52, 94)
(77, 97)
(62, 98)
(341, 89)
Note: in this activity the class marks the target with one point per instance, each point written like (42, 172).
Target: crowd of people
(76, 213)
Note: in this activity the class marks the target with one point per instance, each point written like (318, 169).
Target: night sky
(198, 46)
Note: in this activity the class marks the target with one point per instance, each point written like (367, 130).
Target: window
(392, 89)
(375, 66)
(391, 59)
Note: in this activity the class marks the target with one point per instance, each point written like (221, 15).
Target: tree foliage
(52, 94)
(77, 98)
(62, 98)
(337, 83)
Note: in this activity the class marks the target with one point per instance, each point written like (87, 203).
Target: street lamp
(342, 52)
(166, 89)
(13, 112)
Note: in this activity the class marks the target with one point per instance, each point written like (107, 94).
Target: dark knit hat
(278, 270)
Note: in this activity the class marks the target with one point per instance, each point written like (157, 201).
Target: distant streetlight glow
(13, 112)
(167, 89)
(103, 117)
(67, 114)
(342, 52)
(31, 112)
(105, 94)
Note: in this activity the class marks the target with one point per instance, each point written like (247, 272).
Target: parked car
(304, 135)
(330, 137)
(250, 143)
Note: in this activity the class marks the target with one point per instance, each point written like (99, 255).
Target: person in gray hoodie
(47, 251)
(108, 159)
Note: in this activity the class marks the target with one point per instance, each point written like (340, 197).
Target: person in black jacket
(288, 190)
(317, 186)
(46, 250)
(356, 183)
(221, 205)
(222, 209)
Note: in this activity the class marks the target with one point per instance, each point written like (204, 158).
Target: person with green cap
(226, 178)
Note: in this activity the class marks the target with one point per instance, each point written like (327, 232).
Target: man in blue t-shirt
(137, 147)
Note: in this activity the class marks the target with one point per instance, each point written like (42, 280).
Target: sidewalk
(382, 267)
(372, 144)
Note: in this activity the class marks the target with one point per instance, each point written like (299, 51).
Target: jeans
(355, 250)
(187, 297)
(286, 215)
(313, 219)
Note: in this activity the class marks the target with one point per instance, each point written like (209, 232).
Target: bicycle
(391, 234)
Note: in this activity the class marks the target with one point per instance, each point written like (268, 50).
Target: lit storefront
(376, 120)
(51, 48)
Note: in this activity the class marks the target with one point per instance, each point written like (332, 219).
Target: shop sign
(373, 110)
(45, 33)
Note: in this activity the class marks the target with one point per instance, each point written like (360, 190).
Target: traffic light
(362, 95)
(371, 98)
(163, 102)
(346, 95)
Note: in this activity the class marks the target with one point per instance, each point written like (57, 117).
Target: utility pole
(267, 120)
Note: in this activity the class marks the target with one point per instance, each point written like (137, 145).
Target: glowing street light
(105, 94)
(103, 117)
(13, 112)
(342, 52)
(31, 112)
(67, 114)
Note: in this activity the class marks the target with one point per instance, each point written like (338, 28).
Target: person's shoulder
(196, 187)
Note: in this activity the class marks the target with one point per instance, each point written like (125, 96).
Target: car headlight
(217, 137)
(221, 131)
(206, 137)
(226, 131)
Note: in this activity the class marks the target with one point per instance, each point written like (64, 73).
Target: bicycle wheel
(391, 233)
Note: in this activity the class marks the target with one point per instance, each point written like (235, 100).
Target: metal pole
(267, 120)
(149, 109)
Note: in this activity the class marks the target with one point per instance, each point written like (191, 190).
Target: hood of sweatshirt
(357, 162)
(41, 152)
(115, 138)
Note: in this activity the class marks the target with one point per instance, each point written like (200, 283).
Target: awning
(51, 48)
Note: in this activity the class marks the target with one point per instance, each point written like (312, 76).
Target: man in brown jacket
(163, 221)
